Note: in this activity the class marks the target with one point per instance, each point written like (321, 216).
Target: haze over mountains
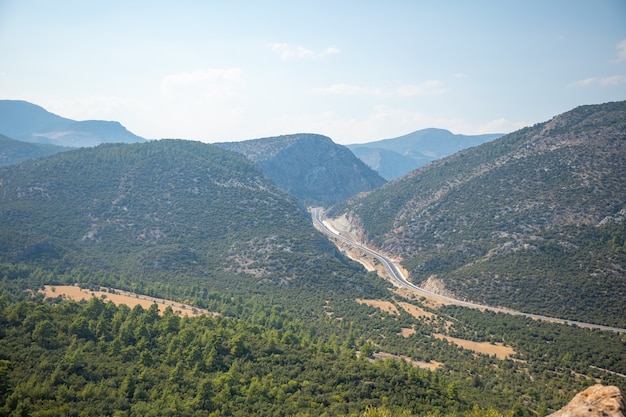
(14, 151)
(391, 158)
(28, 122)
(395, 157)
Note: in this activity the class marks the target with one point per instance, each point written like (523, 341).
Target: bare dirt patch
(75, 293)
(415, 311)
(407, 331)
(385, 306)
(501, 351)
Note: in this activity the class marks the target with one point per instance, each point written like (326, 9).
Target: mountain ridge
(28, 122)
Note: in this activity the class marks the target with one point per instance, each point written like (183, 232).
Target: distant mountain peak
(395, 157)
(29, 122)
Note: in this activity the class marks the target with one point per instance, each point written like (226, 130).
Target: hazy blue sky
(353, 70)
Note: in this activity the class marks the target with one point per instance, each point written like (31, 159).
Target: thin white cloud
(427, 88)
(583, 83)
(202, 83)
(330, 51)
(614, 80)
(495, 126)
(601, 81)
(349, 90)
(286, 51)
(621, 51)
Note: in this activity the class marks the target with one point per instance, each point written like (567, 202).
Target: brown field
(121, 297)
(501, 351)
(385, 306)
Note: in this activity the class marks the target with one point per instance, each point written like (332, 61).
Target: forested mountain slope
(534, 220)
(170, 211)
(28, 122)
(310, 167)
(298, 328)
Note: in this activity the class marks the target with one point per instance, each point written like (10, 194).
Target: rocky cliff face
(599, 400)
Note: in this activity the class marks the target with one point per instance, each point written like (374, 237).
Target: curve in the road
(400, 280)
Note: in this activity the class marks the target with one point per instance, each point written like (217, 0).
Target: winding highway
(398, 279)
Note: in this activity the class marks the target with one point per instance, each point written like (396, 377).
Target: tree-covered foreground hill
(535, 220)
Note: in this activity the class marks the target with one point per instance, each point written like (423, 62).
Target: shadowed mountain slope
(311, 167)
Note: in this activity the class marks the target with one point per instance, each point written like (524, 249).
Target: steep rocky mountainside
(158, 210)
(393, 158)
(14, 151)
(28, 122)
(310, 167)
(535, 220)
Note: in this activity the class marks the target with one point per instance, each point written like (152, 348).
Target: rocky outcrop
(599, 400)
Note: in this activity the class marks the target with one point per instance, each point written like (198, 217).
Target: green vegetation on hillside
(98, 359)
(159, 211)
(197, 224)
(275, 351)
(534, 221)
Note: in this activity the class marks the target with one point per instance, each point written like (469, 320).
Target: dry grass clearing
(415, 311)
(121, 297)
(501, 351)
(407, 331)
(385, 306)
